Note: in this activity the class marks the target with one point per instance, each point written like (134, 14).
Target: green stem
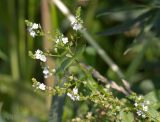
(22, 45)
(12, 38)
(90, 40)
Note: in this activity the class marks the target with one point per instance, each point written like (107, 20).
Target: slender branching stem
(90, 40)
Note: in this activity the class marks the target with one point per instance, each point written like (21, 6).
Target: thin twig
(95, 74)
(104, 80)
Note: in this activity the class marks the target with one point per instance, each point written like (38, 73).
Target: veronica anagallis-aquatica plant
(86, 83)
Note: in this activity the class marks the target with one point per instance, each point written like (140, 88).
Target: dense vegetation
(127, 32)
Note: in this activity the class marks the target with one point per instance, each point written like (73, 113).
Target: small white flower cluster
(39, 55)
(143, 106)
(64, 40)
(47, 72)
(74, 95)
(32, 29)
(76, 25)
(40, 86)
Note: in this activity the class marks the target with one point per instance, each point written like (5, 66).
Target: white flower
(74, 95)
(42, 86)
(46, 72)
(75, 91)
(32, 29)
(135, 104)
(143, 107)
(71, 96)
(65, 40)
(38, 51)
(34, 26)
(39, 55)
(75, 25)
(43, 58)
(139, 112)
(32, 33)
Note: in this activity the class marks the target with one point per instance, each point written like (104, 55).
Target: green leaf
(68, 61)
(78, 12)
(154, 114)
(154, 98)
(127, 116)
(120, 10)
(128, 24)
(79, 51)
(136, 62)
(65, 64)
(92, 85)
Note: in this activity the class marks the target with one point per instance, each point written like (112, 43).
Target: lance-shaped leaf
(128, 24)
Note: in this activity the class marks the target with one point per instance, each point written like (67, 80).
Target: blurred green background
(128, 31)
